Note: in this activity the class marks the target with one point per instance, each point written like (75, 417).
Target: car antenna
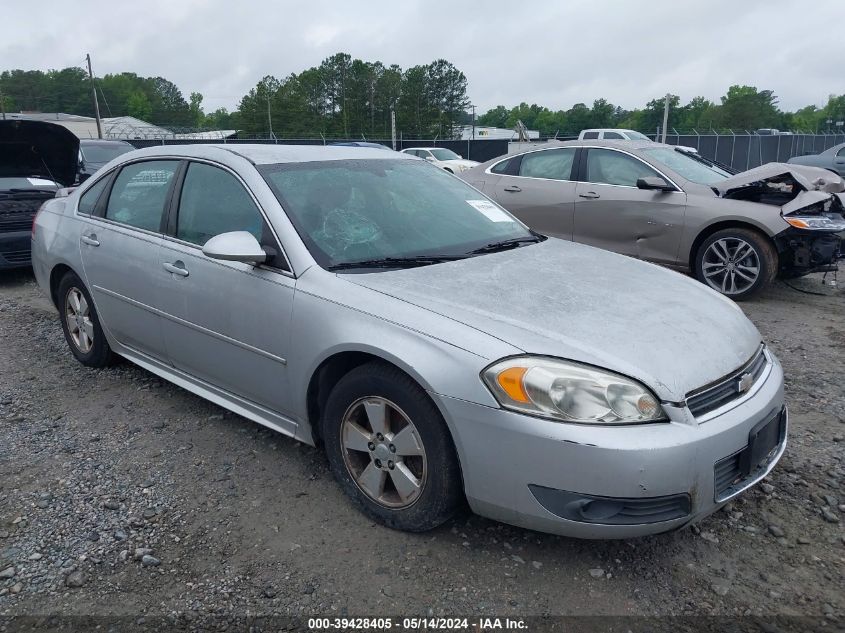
(43, 162)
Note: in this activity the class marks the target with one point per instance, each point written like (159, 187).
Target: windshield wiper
(396, 262)
(506, 244)
(16, 190)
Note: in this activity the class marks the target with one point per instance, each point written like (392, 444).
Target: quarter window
(213, 202)
(88, 200)
(503, 167)
(590, 135)
(139, 192)
(615, 168)
(841, 152)
(554, 164)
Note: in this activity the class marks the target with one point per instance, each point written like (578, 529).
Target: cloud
(554, 54)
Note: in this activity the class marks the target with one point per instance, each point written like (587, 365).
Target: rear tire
(738, 263)
(390, 449)
(81, 324)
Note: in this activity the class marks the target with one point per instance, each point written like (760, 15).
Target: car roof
(103, 141)
(608, 129)
(267, 154)
(598, 142)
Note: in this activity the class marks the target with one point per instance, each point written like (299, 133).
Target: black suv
(36, 160)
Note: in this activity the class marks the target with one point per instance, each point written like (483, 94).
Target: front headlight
(570, 392)
(814, 222)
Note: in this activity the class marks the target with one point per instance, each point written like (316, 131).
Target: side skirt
(235, 404)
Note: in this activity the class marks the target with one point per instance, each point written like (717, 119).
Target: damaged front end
(812, 204)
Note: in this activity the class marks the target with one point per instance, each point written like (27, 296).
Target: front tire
(738, 263)
(81, 324)
(390, 450)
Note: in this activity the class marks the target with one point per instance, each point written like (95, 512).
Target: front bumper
(15, 249)
(504, 455)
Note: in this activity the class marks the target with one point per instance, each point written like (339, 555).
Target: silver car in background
(437, 349)
(832, 159)
(663, 204)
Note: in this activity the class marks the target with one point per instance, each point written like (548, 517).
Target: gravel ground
(123, 495)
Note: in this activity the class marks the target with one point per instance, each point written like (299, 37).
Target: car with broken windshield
(665, 204)
(438, 350)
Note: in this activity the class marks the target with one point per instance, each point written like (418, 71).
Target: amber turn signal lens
(510, 380)
(797, 223)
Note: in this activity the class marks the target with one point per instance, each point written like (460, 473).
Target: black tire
(762, 252)
(441, 493)
(99, 354)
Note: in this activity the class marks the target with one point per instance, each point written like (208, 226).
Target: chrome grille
(727, 389)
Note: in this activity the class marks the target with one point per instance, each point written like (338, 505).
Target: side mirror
(654, 183)
(235, 246)
(430, 159)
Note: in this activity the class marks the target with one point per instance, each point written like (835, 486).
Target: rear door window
(139, 193)
(613, 135)
(590, 135)
(553, 164)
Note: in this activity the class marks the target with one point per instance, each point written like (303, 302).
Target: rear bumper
(15, 250)
(528, 471)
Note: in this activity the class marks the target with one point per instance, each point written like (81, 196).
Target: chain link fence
(738, 151)
(745, 151)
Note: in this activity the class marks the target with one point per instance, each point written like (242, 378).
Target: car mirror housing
(654, 183)
(235, 246)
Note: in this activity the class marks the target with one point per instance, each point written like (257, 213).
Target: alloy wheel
(78, 318)
(731, 265)
(383, 452)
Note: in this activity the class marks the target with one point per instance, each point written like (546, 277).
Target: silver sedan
(439, 350)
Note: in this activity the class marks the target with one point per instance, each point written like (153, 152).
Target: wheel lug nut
(378, 463)
(379, 437)
(371, 446)
(390, 465)
(392, 448)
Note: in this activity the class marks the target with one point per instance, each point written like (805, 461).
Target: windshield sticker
(490, 210)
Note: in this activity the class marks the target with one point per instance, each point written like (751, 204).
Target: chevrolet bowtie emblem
(744, 383)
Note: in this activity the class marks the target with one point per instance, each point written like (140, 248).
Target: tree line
(741, 108)
(342, 97)
(345, 97)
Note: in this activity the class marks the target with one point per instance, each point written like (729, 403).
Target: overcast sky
(551, 52)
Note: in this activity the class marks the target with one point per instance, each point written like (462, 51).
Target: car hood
(38, 148)
(580, 303)
(462, 162)
(810, 178)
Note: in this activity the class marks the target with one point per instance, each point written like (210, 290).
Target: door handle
(177, 268)
(90, 240)
(513, 189)
(590, 195)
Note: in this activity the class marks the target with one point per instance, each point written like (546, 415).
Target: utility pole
(269, 117)
(393, 126)
(94, 93)
(473, 122)
(665, 119)
(2, 105)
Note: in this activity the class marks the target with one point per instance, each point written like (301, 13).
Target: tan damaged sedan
(660, 203)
